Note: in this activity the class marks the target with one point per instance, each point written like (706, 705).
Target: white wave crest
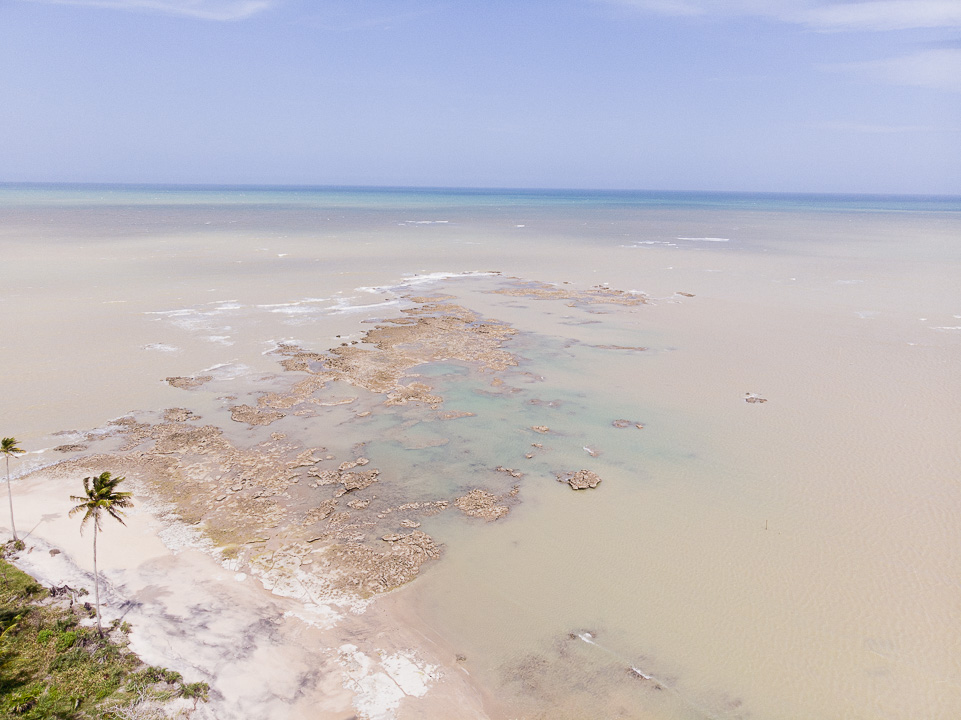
(705, 239)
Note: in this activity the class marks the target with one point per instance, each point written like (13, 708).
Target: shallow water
(797, 558)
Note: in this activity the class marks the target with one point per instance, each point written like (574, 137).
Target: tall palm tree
(8, 446)
(100, 496)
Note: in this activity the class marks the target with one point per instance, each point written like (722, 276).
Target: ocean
(766, 385)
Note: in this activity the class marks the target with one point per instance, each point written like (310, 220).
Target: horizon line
(462, 188)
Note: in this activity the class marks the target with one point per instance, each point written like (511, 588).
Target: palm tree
(8, 446)
(100, 496)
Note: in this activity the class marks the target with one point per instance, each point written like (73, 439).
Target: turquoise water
(408, 198)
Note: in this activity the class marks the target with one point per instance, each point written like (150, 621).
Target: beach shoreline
(368, 652)
(263, 655)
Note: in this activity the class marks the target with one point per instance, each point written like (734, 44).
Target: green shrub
(33, 588)
(65, 623)
(66, 640)
(10, 618)
(108, 652)
(21, 701)
(52, 668)
(195, 691)
(152, 674)
(74, 657)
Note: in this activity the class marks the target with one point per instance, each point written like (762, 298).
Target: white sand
(264, 656)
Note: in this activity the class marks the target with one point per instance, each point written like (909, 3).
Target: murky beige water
(797, 558)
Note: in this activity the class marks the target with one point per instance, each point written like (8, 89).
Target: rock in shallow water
(478, 503)
(581, 480)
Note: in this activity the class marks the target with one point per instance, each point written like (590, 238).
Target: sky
(850, 96)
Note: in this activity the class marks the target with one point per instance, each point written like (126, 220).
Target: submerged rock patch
(581, 479)
(188, 383)
(596, 295)
(254, 416)
(178, 415)
(299, 518)
(481, 504)
(428, 332)
(366, 571)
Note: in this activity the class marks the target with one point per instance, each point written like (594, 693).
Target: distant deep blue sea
(422, 197)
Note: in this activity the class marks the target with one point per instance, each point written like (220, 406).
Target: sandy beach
(263, 655)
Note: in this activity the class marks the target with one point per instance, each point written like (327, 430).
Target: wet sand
(263, 655)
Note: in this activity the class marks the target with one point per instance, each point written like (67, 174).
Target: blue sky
(806, 95)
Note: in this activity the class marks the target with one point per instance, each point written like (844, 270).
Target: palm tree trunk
(96, 580)
(10, 498)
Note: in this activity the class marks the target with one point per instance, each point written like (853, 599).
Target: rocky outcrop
(581, 480)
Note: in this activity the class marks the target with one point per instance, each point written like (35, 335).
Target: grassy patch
(53, 667)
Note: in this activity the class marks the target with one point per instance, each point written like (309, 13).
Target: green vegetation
(51, 666)
(100, 496)
(8, 446)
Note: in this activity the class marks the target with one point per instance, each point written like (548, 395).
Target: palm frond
(8, 446)
(101, 496)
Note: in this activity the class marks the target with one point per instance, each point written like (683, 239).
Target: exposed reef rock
(596, 295)
(361, 569)
(631, 348)
(481, 504)
(254, 416)
(276, 507)
(343, 475)
(187, 383)
(429, 332)
(178, 415)
(321, 512)
(358, 480)
(415, 392)
(246, 500)
(301, 392)
(580, 480)
(431, 299)
(621, 424)
(304, 519)
(754, 398)
(454, 414)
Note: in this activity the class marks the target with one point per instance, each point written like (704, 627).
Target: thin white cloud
(221, 10)
(884, 15)
(826, 15)
(357, 15)
(664, 7)
(939, 69)
(708, 7)
(872, 128)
